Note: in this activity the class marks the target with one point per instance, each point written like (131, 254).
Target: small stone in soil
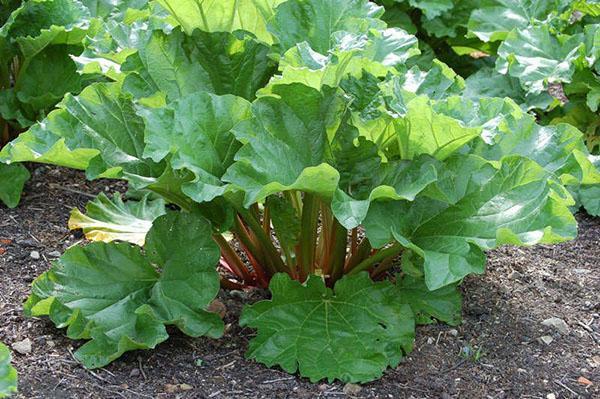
(352, 389)
(185, 387)
(551, 396)
(135, 373)
(430, 341)
(54, 254)
(546, 339)
(453, 332)
(22, 347)
(558, 324)
(34, 255)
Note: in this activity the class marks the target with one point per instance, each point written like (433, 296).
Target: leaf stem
(273, 258)
(362, 252)
(233, 260)
(339, 243)
(308, 233)
(378, 257)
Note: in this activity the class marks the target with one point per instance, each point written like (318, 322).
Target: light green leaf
(537, 57)
(350, 55)
(424, 131)
(224, 15)
(494, 19)
(476, 207)
(114, 220)
(12, 181)
(112, 295)
(196, 131)
(315, 21)
(8, 375)
(351, 333)
(39, 23)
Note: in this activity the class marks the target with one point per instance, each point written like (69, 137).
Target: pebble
(135, 373)
(557, 323)
(551, 396)
(514, 275)
(50, 343)
(54, 254)
(352, 389)
(453, 332)
(430, 340)
(22, 347)
(186, 387)
(546, 339)
(34, 255)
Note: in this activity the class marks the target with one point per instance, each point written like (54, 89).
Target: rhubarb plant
(316, 158)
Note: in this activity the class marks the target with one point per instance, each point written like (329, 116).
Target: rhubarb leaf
(351, 333)
(196, 131)
(443, 304)
(12, 181)
(113, 219)
(477, 207)
(113, 296)
(315, 21)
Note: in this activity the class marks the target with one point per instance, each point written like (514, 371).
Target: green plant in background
(305, 142)
(8, 375)
(542, 54)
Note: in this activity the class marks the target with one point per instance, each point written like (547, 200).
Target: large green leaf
(98, 130)
(114, 220)
(351, 333)
(196, 130)
(287, 143)
(315, 21)
(177, 65)
(474, 206)
(488, 83)
(113, 296)
(8, 375)
(40, 23)
(494, 19)
(224, 15)
(350, 55)
(537, 57)
(12, 181)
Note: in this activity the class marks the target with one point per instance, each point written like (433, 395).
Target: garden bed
(503, 314)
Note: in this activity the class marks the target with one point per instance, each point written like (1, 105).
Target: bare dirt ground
(503, 314)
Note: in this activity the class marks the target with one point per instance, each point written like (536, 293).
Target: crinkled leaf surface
(12, 181)
(351, 333)
(196, 130)
(224, 15)
(537, 57)
(177, 65)
(351, 54)
(474, 206)
(113, 219)
(113, 295)
(8, 375)
(493, 19)
(98, 130)
(315, 21)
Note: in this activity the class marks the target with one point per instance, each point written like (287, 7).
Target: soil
(503, 314)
